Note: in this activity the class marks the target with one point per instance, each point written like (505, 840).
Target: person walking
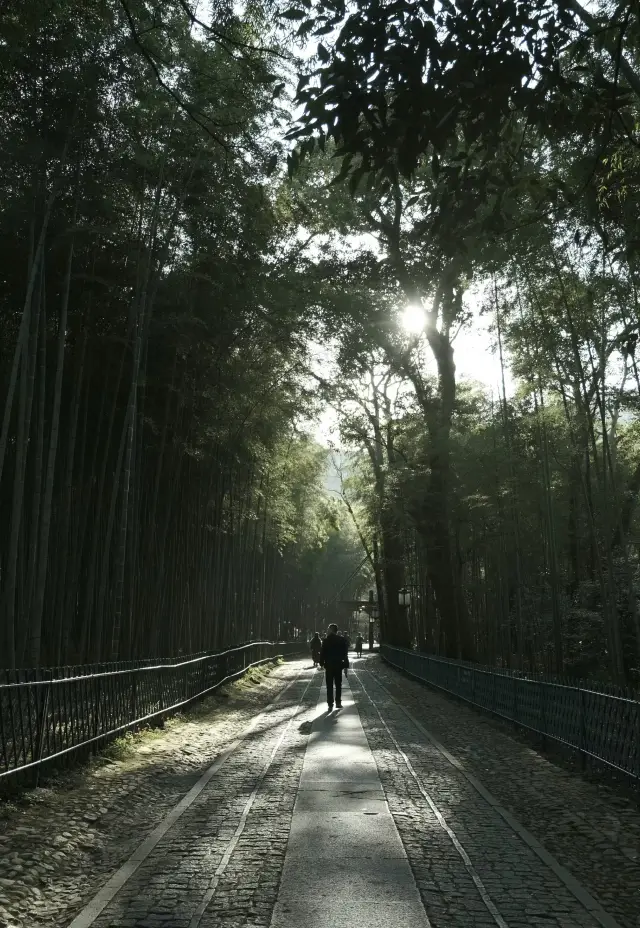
(359, 643)
(315, 646)
(334, 657)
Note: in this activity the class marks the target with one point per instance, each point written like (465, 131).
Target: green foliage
(186, 508)
(437, 148)
(496, 145)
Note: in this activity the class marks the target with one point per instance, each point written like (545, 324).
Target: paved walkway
(474, 864)
(345, 864)
(403, 809)
(589, 829)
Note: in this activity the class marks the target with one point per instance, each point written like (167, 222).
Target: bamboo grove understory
(156, 496)
(215, 218)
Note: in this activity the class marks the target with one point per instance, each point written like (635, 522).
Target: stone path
(345, 864)
(590, 828)
(62, 841)
(287, 817)
(220, 863)
(471, 867)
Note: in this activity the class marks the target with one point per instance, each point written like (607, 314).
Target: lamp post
(371, 609)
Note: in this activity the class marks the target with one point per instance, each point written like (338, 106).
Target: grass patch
(123, 748)
(253, 677)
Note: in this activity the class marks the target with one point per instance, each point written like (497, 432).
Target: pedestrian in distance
(359, 643)
(315, 646)
(345, 635)
(334, 657)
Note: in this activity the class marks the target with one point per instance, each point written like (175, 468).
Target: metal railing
(68, 709)
(599, 725)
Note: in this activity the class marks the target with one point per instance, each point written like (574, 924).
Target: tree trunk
(35, 640)
(442, 562)
(395, 629)
(28, 361)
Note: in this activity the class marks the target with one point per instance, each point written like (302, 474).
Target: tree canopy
(214, 219)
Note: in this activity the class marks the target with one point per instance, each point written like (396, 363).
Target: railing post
(515, 698)
(637, 734)
(41, 715)
(134, 694)
(583, 730)
(96, 712)
(161, 687)
(638, 739)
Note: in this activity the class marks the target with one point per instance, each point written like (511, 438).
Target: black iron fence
(599, 725)
(62, 710)
(30, 675)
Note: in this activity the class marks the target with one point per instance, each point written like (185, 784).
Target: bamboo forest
(243, 248)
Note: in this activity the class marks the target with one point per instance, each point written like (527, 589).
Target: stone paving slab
(345, 863)
(350, 915)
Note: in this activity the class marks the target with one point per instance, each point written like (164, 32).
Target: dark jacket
(334, 652)
(315, 644)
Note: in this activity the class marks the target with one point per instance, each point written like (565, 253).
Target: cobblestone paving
(590, 831)
(60, 843)
(220, 864)
(171, 885)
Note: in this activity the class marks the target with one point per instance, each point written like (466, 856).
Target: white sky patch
(475, 353)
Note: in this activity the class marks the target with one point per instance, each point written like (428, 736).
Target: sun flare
(413, 319)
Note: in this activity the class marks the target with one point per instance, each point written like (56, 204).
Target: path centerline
(345, 862)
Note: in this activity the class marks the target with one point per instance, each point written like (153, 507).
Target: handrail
(133, 669)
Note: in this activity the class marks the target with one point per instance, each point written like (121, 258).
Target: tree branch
(193, 114)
